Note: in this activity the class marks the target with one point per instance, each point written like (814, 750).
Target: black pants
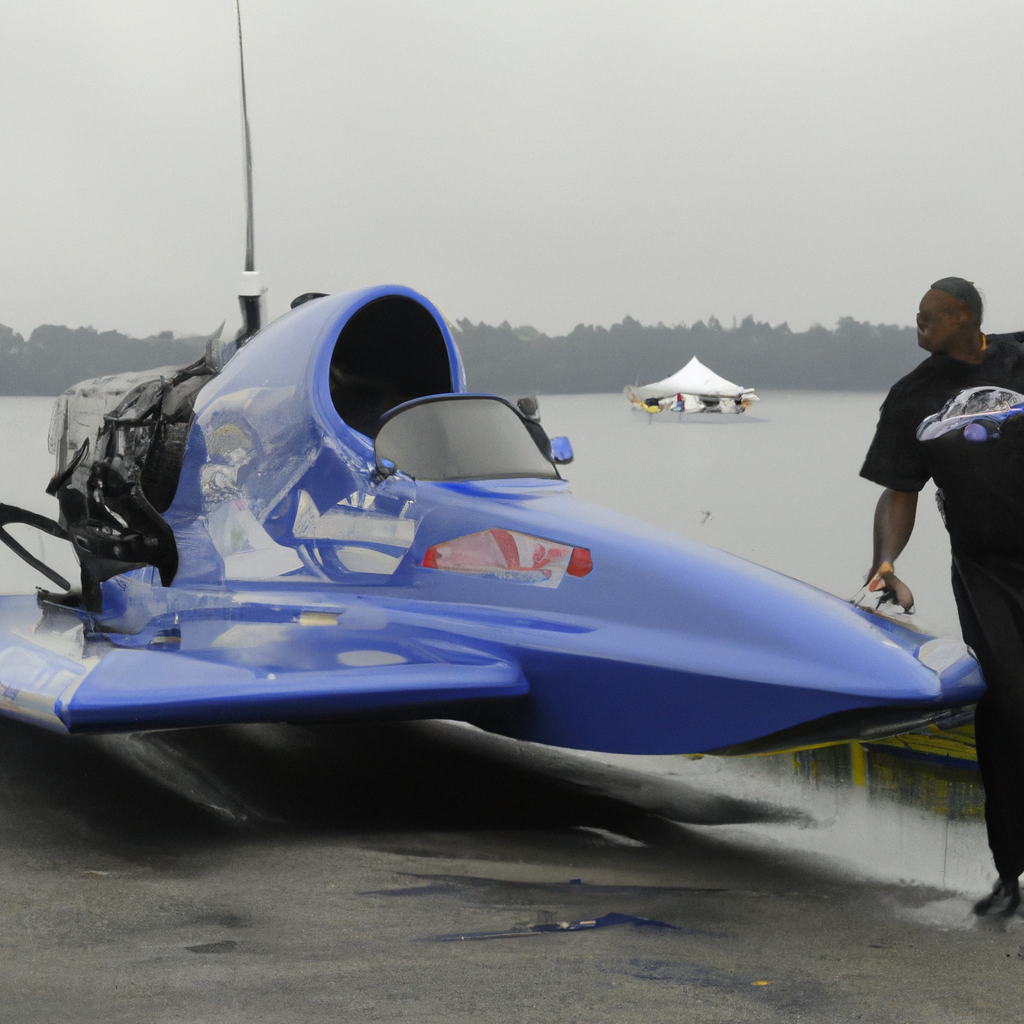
(990, 599)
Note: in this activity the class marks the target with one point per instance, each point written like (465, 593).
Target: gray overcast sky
(541, 161)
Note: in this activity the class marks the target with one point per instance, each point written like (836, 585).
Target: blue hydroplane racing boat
(324, 524)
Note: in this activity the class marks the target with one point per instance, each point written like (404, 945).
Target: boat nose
(957, 671)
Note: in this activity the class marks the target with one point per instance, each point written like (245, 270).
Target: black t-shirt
(947, 420)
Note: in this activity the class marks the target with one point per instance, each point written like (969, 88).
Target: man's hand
(893, 589)
(894, 523)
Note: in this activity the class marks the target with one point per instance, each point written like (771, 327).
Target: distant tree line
(854, 356)
(508, 360)
(54, 358)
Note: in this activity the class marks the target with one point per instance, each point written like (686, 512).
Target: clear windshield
(461, 438)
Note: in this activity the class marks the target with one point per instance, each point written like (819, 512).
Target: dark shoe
(1003, 901)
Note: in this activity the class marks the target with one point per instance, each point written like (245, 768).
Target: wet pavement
(430, 872)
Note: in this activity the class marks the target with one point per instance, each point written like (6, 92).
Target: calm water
(778, 486)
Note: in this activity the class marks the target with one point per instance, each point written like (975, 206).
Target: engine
(119, 442)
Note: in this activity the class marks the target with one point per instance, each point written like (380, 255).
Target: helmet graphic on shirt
(978, 412)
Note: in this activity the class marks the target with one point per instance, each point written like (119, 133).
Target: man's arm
(894, 523)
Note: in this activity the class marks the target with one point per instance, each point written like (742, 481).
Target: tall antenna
(249, 296)
(250, 255)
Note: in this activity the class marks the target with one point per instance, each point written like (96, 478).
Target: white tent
(693, 379)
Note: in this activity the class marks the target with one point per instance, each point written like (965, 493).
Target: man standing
(954, 419)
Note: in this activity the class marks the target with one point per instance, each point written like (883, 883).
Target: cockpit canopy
(460, 437)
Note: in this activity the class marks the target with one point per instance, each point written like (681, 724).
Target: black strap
(13, 514)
